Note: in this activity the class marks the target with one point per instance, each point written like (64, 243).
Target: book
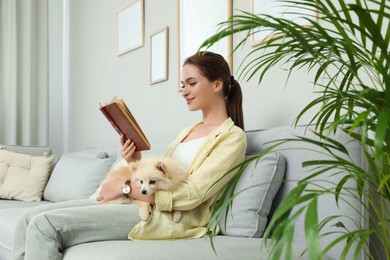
(120, 117)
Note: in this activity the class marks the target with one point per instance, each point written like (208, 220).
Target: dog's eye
(141, 181)
(152, 182)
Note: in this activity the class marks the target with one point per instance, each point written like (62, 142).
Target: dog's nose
(143, 192)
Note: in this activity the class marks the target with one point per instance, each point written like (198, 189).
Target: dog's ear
(160, 167)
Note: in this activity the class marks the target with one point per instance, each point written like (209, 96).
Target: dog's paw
(144, 215)
(176, 216)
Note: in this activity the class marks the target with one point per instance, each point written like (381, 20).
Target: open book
(120, 117)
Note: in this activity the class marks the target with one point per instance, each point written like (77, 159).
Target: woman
(209, 149)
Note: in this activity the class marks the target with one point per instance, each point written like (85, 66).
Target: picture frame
(194, 30)
(272, 7)
(130, 27)
(159, 58)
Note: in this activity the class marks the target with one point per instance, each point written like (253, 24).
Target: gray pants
(44, 232)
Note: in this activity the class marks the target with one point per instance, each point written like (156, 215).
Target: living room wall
(85, 71)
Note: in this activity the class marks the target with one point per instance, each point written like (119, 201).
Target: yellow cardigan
(223, 149)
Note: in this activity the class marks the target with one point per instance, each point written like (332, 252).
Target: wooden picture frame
(273, 7)
(130, 27)
(159, 57)
(198, 20)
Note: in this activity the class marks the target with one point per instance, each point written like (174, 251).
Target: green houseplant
(347, 49)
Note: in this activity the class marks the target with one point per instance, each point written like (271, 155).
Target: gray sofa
(240, 239)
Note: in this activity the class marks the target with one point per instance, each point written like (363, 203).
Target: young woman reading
(209, 149)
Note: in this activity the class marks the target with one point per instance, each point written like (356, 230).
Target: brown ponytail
(213, 66)
(233, 102)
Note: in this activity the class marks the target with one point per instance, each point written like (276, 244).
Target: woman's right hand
(128, 150)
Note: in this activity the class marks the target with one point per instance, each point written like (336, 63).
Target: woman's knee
(42, 240)
(26, 218)
(40, 225)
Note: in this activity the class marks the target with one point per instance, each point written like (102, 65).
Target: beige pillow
(23, 177)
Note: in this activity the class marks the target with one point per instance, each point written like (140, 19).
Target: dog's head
(150, 176)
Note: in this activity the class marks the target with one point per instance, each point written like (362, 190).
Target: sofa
(261, 188)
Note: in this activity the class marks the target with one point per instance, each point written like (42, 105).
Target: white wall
(93, 74)
(56, 75)
(273, 103)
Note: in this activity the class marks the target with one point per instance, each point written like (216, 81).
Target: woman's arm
(112, 190)
(207, 178)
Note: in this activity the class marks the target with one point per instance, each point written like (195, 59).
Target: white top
(185, 152)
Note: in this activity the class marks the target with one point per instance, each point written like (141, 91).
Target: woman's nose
(184, 91)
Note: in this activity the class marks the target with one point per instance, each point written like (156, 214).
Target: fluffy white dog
(150, 175)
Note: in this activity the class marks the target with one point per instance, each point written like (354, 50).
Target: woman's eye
(191, 84)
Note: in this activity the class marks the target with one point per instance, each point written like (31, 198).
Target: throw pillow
(76, 177)
(256, 189)
(22, 176)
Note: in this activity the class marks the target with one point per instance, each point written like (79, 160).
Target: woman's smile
(189, 100)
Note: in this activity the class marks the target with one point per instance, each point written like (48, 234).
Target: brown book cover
(120, 117)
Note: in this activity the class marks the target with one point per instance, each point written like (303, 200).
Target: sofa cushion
(12, 204)
(226, 247)
(254, 193)
(77, 176)
(31, 150)
(22, 176)
(10, 212)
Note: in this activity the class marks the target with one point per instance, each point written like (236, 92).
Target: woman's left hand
(110, 191)
(128, 150)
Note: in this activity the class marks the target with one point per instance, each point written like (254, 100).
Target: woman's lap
(76, 222)
(87, 220)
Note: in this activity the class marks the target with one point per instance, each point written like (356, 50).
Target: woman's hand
(110, 191)
(128, 150)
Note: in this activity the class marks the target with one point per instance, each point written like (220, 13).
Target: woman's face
(198, 91)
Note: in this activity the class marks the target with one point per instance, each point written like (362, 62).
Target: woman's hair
(213, 66)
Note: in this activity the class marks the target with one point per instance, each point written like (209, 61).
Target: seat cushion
(10, 211)
(226, 247)
(199, 248)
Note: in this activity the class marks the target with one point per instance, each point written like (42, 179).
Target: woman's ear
(218, 85)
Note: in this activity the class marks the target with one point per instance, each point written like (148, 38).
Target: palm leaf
(312, 231)
(347, 51)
